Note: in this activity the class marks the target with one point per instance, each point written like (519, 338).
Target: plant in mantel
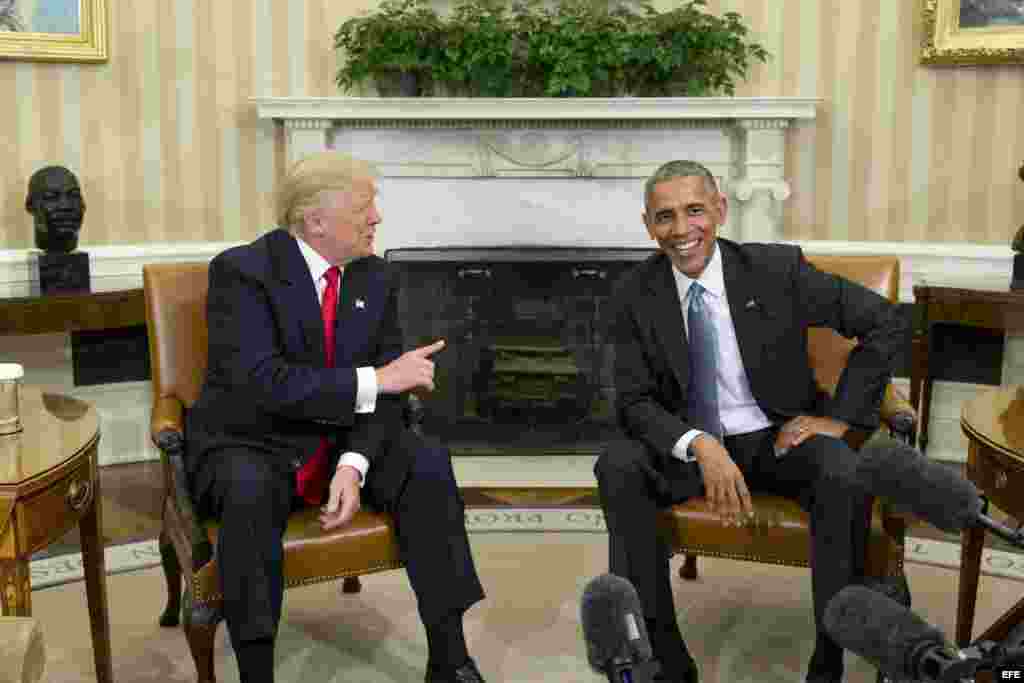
(397, 45)
(690, 52)
(553, 48)
(478, 52)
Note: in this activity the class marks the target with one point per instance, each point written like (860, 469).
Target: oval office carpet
(743, 622)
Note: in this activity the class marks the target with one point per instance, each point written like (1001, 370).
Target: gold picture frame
(998, 39)
(89, 44)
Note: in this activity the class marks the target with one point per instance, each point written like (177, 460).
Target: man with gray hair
(716, 397)
(301, 406)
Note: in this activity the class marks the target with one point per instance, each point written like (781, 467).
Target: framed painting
(54, 30)
(973, 32)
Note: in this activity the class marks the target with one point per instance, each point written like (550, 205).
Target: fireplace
(526, 370)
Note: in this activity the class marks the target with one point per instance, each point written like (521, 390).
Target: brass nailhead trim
(204, 599)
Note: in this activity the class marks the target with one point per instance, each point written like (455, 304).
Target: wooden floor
(131, 497)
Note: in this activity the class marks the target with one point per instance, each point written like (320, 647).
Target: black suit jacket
(267, 389)
(774, 296)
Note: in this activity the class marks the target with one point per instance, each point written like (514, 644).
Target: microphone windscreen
(934, 492)
(880, 630)
(613, 623)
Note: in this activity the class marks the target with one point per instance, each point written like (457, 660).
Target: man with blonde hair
(301, 406)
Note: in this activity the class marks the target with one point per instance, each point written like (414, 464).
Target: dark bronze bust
(1018, 239)
(55, 201)
(1017, 278)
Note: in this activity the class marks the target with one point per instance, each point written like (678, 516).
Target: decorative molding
(437, 110)
(621, 138)
(743, 190)
(763, 124)
(308, 124)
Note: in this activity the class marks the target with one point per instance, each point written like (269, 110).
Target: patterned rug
(131, 556)
(743, 622)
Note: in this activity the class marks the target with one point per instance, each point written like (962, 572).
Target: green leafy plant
(689, 52)
(478, 49)
(576, 47)
(553, 48)
(399, 37)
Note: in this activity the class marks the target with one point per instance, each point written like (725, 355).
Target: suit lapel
(300, 292)
(746, 309)
(668, 317)
(355, 304)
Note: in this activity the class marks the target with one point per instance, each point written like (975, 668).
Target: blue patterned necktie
(702, 398)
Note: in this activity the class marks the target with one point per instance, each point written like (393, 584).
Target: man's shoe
(689, 675)
(467, 673)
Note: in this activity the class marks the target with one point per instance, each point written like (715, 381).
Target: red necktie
(311, 479)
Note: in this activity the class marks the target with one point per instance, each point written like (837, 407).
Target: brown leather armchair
(782, 533)
(176, 319)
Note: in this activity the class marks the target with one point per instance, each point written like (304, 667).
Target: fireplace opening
(525, 370)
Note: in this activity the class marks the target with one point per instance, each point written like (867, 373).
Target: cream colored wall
(168, 148)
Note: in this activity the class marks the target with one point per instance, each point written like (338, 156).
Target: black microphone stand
(1014, 536)
(981, 655)
(961, 665)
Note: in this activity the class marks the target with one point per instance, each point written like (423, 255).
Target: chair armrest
(168, 418)
(898, 414)
(167, 427)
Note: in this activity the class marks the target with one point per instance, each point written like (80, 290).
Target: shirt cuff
(359, 462)
(366, 390)
(681, 450)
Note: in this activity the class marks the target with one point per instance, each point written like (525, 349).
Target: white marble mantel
(509, 140)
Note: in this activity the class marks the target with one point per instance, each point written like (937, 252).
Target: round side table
(994, 424)
(49, 481)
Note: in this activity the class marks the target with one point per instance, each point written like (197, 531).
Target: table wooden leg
(970, 570)
(924, 373)
(15, 588)
(94, 567)
(917, 370)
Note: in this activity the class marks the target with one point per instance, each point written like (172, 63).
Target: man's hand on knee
(343, 500)
(724, 485)
(803, 427)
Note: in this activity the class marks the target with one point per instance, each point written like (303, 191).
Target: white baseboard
(946, 440)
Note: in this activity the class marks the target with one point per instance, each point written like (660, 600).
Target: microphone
(614, 630)
(895, 640)
(938, 494)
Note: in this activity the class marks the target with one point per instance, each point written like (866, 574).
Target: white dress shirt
(366, 378)
(736, 405)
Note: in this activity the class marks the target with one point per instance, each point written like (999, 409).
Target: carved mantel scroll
(742, 140)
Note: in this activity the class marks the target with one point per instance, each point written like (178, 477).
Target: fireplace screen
(525, 368)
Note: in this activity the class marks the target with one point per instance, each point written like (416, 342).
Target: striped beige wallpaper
(168, 148)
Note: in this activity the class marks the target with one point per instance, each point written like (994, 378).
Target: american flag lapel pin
(360, 304)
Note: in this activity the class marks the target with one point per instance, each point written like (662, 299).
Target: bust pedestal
(63, 273)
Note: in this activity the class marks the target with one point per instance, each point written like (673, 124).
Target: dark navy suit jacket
(774, 296)
(267, 389)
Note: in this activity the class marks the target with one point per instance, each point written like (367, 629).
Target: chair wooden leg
(200, 642)
(172, 575)
(688, 571)
(351, 584)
